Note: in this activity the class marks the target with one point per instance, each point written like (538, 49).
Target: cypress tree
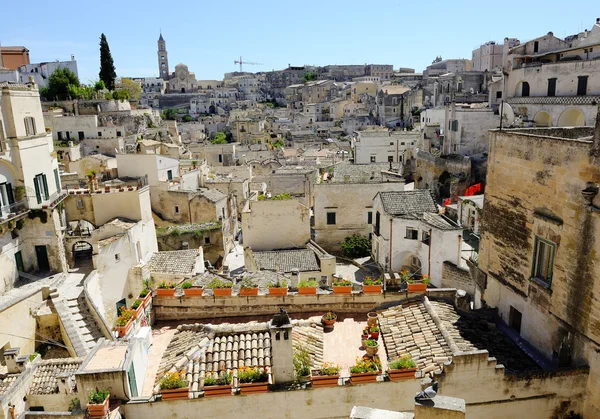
(107, 66)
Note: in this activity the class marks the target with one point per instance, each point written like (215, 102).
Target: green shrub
(402, 363)
(308, 283)
(218, 283)
(247, 283)
(97, 396)
(277, 284)
(187, 118)
(173, 380)
(341, 283)
(186, 285)
(356, 246)
(32, 356)
(136, 304)
(166, 286)
(372, 281)
(301, 361)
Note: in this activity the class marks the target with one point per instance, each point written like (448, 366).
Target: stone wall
(195, 239)
(456, 277)
(430, 168)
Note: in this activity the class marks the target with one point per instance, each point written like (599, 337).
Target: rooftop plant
(366, 365)
(301, 361)
(223, 380)
(125, 316)
(144, 292)
(277, 284)
(308, 283)
(341, 283)
(252, 375)
(173, 380)
(330, 315)
(186, 285)
(98, 396)
(136, 304)
(405, 276)
(372, 281)
(247, 283)
(424, 279)
(356, 246)
(329, 368)
(370, 342)
(373, 329)
(166, 286)
(218, 283)
(402, 363)
(281, 197)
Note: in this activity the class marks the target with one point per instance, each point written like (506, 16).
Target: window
(220, 158)
(372, 159)
(425, 237)
(117, 257)
(498, 95)
(170, 175)
(119, 133)
(377, 223)
(331, 218)
(543, 260)
(57, 179)
(29, 126)
(41, 188)
(176, 209)
(99, 134)
(525, 89)
(412, 234)
(582, 85)
(402, 143)
(390, 159)
(391, 143)
(536, 46)
(207, 240)
(370, 217)
(552, 87)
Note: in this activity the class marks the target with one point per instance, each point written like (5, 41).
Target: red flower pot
(323, 380)
(175, 394)
(165, 292)
(193, 292)
(123, 330)
(248, 292)
(417, 287)
(372, 289)
(328, 322)
(99, 410)
(146, 300)
(278, 291)
(342, 289)
(214, 391)
(222, 292)
(374, 335)
(307, 290)
(254, 388)
(364, 377)
(139, 312)
(398, 375)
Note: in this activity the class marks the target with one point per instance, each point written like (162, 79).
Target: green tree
(356, 246)
(99, 85)
(107, 66)
(61, 84)
(220, 138)
(309, 77)
(187, 118)
(168, 114)
(134, 89)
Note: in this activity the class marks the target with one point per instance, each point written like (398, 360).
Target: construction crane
(240, 62)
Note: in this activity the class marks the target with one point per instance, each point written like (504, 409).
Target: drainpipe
(190, 211)
(390, 244)
(429, 254)
(459, 249)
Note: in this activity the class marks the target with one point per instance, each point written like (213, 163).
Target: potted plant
(402, 368)
(301, 360)
(146, 296)
(191, 291)
(253, 380)
(365, 370)
(371, 318)
(165, 289)
(220, 287)
(278, 287)
(364, 336)
(329, 318)
(326, 376)
(371, 347)
(342, 286)
(415, 285)
(307, 286)
(372, 285)
(248, 288)
(139, 309)
(98, 401)
(125, 321)
(217, 386)
(173, 386)
(374, 332)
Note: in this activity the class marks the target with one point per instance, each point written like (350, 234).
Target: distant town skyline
(208, 38)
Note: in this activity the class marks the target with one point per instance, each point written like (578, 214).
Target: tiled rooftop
(439, 221)
(408, 203)
(6, 381)
(213, 195)
(304, 260)
(358, 173)
(46, 373)
(174, 262)
(200, 349)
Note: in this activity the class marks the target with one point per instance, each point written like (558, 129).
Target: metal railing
(12, 210)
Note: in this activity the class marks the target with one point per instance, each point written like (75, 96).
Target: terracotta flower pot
(99, 410)
(278, 291)
(248, 292)
(146, 300)
(307, 290)
(323, 380)
(214, 391)
(222, 292)
(371, 350)
(371, 318)
(342, 289)
(405, 374)
(123, 330)
(165, 292)
(175, 394)
(193, 292)
(417, 287)
(372, 289)
(254, 388)
(363, 340)
(139, 312)
(374, 335)
(328, 322)
(364, 377)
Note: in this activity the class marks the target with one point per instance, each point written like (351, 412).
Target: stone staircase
(75, 315)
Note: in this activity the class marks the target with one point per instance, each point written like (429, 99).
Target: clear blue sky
(209, 35)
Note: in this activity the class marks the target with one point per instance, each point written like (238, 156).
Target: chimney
(282, 350)
(72, 57)
(598, 21)
(10, 357)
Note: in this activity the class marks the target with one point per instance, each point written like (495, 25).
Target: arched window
(29, 126)
(525, 89)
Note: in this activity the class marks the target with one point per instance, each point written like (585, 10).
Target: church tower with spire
(163, 59)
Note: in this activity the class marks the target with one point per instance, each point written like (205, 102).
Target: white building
(409, 234)
(381, 145)
(41, 72)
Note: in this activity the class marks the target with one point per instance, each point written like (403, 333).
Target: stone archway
(571, 117)
(543, 119)
(522, 89)
(82, 253)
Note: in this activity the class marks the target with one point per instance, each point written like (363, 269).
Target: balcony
(12, 211)
(554, 100)
(50, 202)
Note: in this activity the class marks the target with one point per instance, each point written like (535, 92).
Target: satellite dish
(508, 114)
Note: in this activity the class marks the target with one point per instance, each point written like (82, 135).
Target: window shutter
(9, 192)
(37, 190)
(57, 180)
(45, 182)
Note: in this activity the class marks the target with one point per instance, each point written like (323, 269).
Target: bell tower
(163, 59)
